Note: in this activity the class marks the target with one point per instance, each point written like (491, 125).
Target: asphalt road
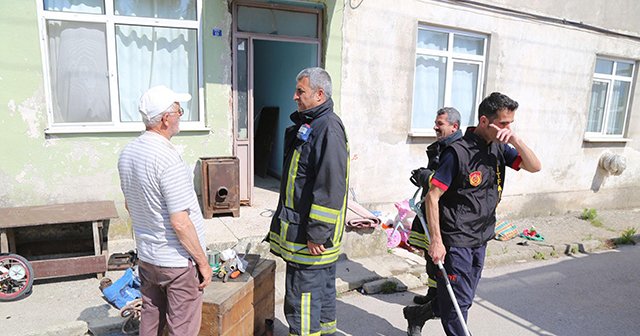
(598, 294)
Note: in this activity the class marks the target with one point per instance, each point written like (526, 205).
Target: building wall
(38, 169)
(546, 67)
(617, 16)
(44, 169)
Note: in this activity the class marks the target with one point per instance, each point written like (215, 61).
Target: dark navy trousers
(464, 267)
(310, 301)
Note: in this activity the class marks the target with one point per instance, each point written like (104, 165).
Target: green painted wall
(38, 169)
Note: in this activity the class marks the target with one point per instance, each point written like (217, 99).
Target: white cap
(158, 99)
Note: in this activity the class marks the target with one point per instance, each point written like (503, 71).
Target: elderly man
(306, 229)
(167, 221)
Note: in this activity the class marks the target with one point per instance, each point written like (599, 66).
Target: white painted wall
(546, 67)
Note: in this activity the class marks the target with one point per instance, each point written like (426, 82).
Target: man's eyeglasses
(180, 111)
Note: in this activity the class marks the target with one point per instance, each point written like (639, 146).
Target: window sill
(137, 128)
(604, 139)
(420, 134)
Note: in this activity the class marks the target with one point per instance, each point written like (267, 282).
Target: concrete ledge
(75, 328)
(106, 325)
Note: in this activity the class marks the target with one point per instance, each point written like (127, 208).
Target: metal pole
(453, 299)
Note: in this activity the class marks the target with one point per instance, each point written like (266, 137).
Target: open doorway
(272, 45)
(276, 64)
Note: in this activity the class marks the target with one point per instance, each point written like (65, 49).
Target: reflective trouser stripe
(305, 314)
(328, 327)
(432, 283)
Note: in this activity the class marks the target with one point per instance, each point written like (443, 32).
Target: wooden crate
(240, 308)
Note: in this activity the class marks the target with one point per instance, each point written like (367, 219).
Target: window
(610, 92)
(101, 55)
(449, 72)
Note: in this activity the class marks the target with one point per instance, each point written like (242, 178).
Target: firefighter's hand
(437, 252)
(315, 249)
(205, 273)
(504, 135)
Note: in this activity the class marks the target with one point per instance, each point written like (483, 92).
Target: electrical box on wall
(220, 186)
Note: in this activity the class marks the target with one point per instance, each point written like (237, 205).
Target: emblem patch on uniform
(475, 178)
(304, 131)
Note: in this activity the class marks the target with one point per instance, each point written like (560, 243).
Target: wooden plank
(12, 241)
(4, 241)
(97, 244)
(57, 214)
(54, 268)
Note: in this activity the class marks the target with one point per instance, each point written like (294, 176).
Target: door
(271, 45)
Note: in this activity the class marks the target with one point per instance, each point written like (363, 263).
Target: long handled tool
(416, 209)
(453, 299)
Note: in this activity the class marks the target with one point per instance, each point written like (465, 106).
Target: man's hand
(530, 161)
(437, 252)
(504, 135)
(315, 249)
(206, 273)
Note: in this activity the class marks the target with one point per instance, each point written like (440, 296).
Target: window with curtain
(610, 94)
(103, 54)
(449, 72)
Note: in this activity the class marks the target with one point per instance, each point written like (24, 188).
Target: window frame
(610, 80)
(451, 58)
(111, 20)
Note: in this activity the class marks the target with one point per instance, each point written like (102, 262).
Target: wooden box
(240, 308)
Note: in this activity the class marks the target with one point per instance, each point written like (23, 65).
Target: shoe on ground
(424, 299)
(416, 316)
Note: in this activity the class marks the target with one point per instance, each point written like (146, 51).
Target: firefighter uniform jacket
(313, 189)
(468, 205)
(417, 237)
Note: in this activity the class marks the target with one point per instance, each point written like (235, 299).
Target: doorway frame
(239, 145)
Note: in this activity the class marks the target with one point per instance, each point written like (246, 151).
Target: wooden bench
(60, 239)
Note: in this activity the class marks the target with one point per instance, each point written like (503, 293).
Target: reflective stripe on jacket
(313, 189)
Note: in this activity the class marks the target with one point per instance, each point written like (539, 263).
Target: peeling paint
(50, 141)
(20, 178)
(29, 112)
(12, 107)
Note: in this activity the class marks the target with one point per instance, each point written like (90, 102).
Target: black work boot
(416, 317)
(423, 299)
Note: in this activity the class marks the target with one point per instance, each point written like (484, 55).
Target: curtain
(463, 90)
(79, 76)
(149, 56)
(428, 90)
(145, 56)
(596, 109)
(618, 107)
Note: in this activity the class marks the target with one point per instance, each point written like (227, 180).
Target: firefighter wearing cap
(307, 227)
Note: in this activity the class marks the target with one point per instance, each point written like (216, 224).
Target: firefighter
(461, 206)
(447, 128)
(307, 226)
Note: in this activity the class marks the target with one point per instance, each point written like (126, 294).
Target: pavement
(75, 306)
